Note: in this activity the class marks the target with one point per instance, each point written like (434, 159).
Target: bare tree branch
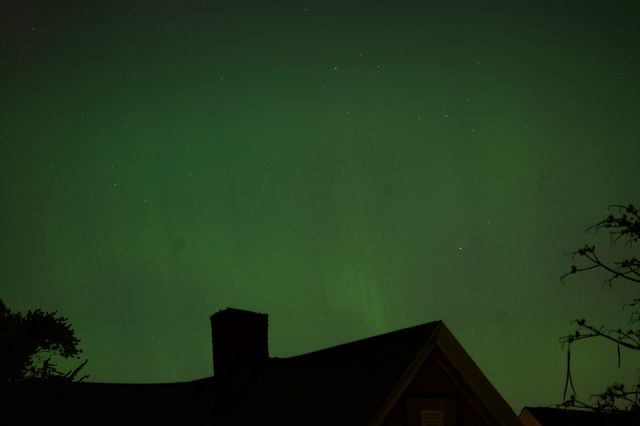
(623, 225)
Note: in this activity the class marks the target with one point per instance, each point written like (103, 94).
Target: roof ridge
(432, 325)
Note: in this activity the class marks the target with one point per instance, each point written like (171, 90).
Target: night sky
(349, 168)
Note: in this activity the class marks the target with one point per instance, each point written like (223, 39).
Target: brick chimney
(240, 343)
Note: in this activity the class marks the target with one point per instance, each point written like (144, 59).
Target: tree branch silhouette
(29, 342)
(622, 225)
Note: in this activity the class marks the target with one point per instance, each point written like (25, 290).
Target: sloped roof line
(326, 381)
(481, 388)
(407, 377)
(350, 344)
(480, 385)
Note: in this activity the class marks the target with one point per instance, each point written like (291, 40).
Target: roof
(359, 382)
(547, 416)
(353, 379)
(111, 403)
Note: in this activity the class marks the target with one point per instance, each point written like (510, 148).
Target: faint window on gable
(431, 411)
(431, 418)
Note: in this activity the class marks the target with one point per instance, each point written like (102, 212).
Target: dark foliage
(28, 343)
(624, 226)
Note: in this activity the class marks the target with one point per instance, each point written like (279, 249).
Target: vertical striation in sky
(349, 168)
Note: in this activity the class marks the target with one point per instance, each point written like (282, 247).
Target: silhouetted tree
(624, 226)
(28, 342)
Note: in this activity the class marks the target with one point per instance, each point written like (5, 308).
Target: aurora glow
(349, 168)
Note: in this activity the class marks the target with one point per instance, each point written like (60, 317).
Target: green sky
(350, 168)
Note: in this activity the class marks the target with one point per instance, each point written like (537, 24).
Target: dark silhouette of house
(417, 376)
(546, 416)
